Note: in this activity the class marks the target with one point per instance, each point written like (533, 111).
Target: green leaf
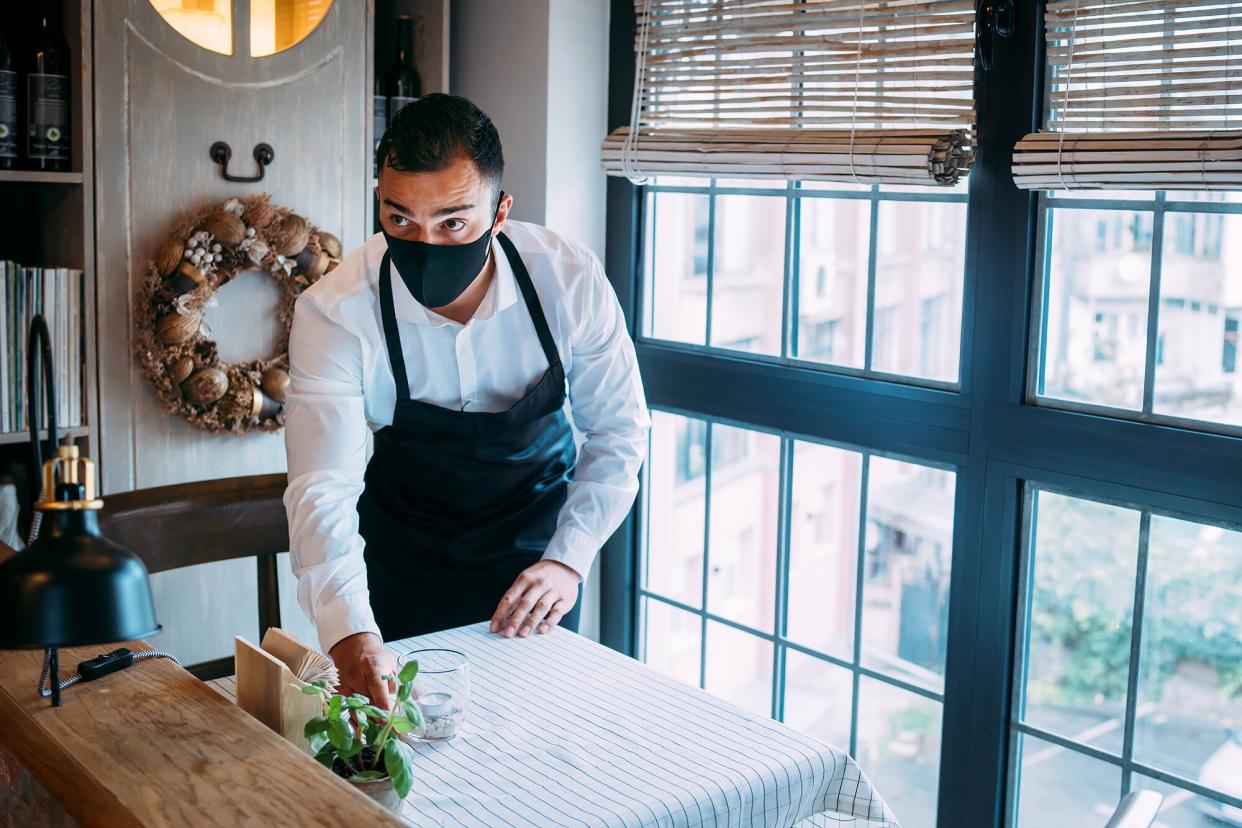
(397, 759)
(376, 713)
(311, 690)
(403, 691)
(318, 741)
(360, 717)
(401, 724)
(354, 702)
(414, 713)
(368, 776)
(319, 724)
(408, 672)
(340, 734)
(355, 748)
(334, 707)
(325, 755)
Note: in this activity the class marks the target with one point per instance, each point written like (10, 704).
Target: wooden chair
(196, 523)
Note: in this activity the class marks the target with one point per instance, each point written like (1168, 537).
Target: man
(455, 336)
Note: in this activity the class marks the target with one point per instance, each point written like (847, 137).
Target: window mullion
(707, 533)
(783, 526)
(1136, 641)
(1153, 306)
(858, 597)
(872, 241)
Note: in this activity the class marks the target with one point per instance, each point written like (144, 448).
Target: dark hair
(432, 132)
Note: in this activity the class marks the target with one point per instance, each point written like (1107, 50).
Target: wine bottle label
(8, 114)
(49, 116)
(396, 103)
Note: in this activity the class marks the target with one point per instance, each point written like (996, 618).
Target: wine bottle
(9, 131)
(47, 92)
(402, 84)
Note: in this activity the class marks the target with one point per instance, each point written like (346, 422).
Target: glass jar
(441, 690)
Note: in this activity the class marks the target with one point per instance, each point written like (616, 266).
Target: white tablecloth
(564, 732)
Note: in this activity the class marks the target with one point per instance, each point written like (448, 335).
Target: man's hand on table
(538, 599)
(361, 660)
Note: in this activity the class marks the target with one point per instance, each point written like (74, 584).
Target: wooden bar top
(153, 746)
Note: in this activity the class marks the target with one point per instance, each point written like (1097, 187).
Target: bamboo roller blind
(1141, 95)
(838, 90)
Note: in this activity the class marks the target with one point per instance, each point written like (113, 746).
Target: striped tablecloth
(564, 732)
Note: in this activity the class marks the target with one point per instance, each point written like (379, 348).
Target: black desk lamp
(71, 586)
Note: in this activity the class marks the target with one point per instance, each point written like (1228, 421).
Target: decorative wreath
(203, 254)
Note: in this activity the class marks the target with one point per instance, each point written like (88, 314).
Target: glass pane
(206, 23)
(275, 25)
(919, 262)
(671, 641)
(823, 548)
(846, 186)
(739, 668)
(1183, 809)
(1197, 373)
(679, 181)
(1190, 677)
(908, 546)
(745, 481)
(748, 278)
(832, 281)
(1112, 195)
(818, 698)
(752, 183)
(1063, 787)
(899, 749)
(1095, 307)
(1081, 598)
(676, 264)
(676, 477)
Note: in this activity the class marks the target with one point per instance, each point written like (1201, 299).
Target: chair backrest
(196, 523)
(1137, 809)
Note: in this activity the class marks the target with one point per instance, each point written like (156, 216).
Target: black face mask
(437, 274)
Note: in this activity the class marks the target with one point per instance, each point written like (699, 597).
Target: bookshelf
(47, 219)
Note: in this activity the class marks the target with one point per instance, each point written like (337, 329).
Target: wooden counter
(154, 746)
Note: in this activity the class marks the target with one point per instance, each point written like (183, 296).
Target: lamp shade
(73, 587)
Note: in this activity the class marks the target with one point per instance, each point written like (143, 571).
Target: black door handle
(221, 153)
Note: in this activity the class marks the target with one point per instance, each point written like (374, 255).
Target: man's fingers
(522, 609)
(380, 692)
(539, 612)
(509, 600)
(554, 617)
(503, 608)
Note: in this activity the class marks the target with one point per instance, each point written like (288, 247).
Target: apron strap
(392, 337)
(532, 302)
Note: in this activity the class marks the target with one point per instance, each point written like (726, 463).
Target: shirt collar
(500, 294)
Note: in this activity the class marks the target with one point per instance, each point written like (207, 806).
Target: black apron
(458, 503)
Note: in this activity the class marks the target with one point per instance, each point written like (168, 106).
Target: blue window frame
(988, 421)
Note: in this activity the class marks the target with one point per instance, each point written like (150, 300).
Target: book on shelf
(56, 293)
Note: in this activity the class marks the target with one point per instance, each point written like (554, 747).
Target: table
(564, 732)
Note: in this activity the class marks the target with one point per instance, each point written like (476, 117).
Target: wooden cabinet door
(161, 100)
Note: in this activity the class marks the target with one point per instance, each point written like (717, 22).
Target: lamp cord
(45, 690)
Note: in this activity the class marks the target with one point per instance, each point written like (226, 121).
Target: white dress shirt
(343, 389)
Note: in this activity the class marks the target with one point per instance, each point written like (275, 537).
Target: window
(991, 453)
(868, 279)
(858, 544)
(1167, 363)
(1130, 663)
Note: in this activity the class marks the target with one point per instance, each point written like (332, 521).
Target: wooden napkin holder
(268, 687)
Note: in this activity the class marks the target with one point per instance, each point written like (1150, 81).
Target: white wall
(539, 68)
